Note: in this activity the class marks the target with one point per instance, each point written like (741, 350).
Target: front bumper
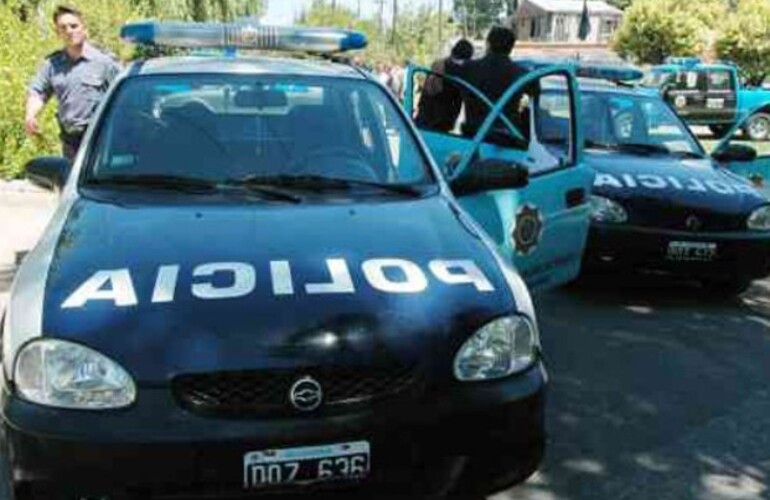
(738, 257)
(156, 449)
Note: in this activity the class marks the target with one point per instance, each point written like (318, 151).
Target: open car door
(540, 227)
(744, 157)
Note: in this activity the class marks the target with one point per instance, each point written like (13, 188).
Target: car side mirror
(735, 152)
(490, 174)
(48, 172)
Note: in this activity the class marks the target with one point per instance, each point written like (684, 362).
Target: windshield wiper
(310, 182)
(261, 188)
(156, 181)
(643, 148)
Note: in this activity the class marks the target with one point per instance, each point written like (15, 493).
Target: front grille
(266, 392)
(666, 216)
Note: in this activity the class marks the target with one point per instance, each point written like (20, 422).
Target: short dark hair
(501, 40)
(463, 50)
(66, 9)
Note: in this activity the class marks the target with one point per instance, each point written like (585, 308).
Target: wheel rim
(759, 128)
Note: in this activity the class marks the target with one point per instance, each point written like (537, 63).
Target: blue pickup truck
(713, 95)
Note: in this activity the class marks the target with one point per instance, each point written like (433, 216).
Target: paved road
(656, 393)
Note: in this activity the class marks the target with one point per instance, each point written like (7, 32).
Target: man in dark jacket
(441, 100)
(493, 74)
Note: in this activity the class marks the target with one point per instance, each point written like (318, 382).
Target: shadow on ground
(656, 392)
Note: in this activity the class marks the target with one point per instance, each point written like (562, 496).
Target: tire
(758, 127)
(719, 131)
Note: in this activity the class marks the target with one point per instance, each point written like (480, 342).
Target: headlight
(66, 375)
(606, 210)
(759, 219)
(500, 348)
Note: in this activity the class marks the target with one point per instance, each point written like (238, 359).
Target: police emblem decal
(527, 228)
(306, 394)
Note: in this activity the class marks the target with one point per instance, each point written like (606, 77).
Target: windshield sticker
(229, 280)
(651, 181)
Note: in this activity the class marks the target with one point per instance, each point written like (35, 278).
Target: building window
(607, 28)
(560, 33)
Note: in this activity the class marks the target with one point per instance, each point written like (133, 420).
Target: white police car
(660, 203)
(257, 280)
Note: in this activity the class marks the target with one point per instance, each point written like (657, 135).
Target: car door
(687, 94)
(744, 157)
(721, 96)
(540, 228)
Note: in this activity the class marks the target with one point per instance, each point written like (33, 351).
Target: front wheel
(758, 127)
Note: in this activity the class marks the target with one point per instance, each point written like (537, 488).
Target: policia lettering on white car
(652, 181)
(388, 275)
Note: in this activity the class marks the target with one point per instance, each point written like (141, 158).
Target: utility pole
(395, 23)
(440, 22)
(358, 11)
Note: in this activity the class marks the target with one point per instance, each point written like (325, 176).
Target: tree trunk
(394, 29)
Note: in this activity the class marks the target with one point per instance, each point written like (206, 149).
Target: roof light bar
(613, 73)
(585, 69)
(243, 35)
(683, 61)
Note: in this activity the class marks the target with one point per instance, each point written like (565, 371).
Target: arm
(34, 104)
(39, 92)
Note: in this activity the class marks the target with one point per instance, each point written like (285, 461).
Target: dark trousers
(70, 143)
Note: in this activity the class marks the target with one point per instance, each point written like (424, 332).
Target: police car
(660, 204)
(257, 280)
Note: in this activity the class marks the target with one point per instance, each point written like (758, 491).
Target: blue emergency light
(586, 69)
(612, 73)
(243, 36)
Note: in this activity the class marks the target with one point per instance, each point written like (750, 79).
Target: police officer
(441, 101)
(493, 74)
(78, 75)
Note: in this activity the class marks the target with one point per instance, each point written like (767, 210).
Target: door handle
(575, 197)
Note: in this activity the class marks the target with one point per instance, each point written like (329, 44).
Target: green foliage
(745, 39)
(620, 4)
(416, 37)
(22, 48)
(654, 29)
(477, 16)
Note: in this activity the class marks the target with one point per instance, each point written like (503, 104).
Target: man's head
(70, 25)
(462, 50)
(501, 40)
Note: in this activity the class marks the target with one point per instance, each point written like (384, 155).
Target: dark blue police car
(257, 280)
(660, 203)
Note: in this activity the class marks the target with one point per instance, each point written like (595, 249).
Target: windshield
(631, 123)
(230, 128)
(657, 78)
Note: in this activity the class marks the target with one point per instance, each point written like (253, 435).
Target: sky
(283, 12)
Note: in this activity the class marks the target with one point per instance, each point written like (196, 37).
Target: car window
(613, 121)
(225, 127)
(657, 78)
(688, 80)
(719, 80)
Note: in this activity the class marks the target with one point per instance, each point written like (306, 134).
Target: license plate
(691, 251)
(715, 103)
(307, 464)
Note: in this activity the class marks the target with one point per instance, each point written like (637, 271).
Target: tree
(746, 39)
(620, 4)
(655, 29)
(477, 16)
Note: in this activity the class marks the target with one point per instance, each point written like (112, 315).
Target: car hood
(671, 184)
(166, 289)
